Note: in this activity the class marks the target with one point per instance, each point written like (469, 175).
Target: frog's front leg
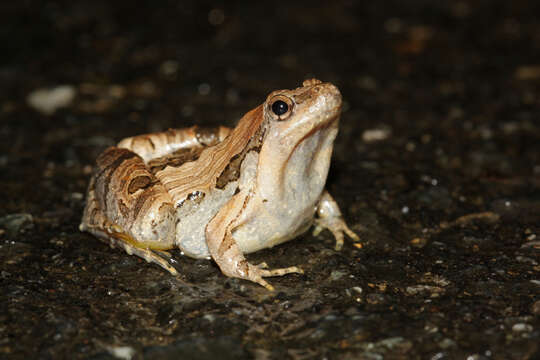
(226, 252)
(330, 218)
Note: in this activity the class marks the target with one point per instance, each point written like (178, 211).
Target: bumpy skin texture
(221, 193)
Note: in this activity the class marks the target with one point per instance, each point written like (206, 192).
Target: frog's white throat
(296, 174)
(287, 188)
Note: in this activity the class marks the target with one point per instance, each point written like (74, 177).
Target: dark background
(447, 202)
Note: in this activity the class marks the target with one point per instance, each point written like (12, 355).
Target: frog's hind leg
(116, 238)
(129, 209)
(123, 241)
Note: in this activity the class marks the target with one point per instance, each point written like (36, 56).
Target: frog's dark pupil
(280, 107)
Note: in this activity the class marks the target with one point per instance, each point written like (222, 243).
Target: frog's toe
(351, 234)
(264, 283)
(257, 273)
(282, 271)
(339, 240)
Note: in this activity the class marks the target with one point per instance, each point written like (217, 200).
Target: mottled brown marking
(244, 266)
(112, 158)
(140, 182)
(167, 205)
(93, 216)
(228, 240)
(300, 98)
(123, 208)
(175, 159)
(226, 243)
(207, 136)
(107, 163)
(141, 199)
(196, 197)
(203, 173)
(151, 142)
(232, 170)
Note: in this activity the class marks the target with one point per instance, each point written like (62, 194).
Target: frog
(221, 193)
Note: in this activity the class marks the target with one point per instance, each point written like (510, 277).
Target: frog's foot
(116, 237)
(233, 264)
(330, 218)
(257, 273)
(337, 227)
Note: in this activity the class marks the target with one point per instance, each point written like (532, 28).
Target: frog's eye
(281, 107)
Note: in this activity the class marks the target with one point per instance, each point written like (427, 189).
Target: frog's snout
(330, 94)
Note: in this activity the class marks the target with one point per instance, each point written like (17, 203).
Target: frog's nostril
(311, 82)
(334, 91)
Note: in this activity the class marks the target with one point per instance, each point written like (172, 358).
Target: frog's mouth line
(322, 126)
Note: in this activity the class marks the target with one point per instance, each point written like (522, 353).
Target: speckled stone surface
(436, 166)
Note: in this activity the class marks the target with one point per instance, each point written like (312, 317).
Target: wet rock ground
(437, 167)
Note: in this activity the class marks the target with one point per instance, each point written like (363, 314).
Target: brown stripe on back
(111, 159)
(175, 159)
(139, 182)
(202, 174)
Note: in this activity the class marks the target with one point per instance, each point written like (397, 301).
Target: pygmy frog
(221, 193)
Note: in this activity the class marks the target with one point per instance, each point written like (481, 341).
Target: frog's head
(294, 115)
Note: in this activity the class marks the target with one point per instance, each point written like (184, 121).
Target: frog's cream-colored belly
(267, 231)
(271, 223)
(259, 233)
(193, 218)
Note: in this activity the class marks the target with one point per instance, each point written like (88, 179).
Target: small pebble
(47, 101)
(121, 352)
(522, 327)
(14, 223)
(378, 134)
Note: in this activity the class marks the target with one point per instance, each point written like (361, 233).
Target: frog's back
(201, 187)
